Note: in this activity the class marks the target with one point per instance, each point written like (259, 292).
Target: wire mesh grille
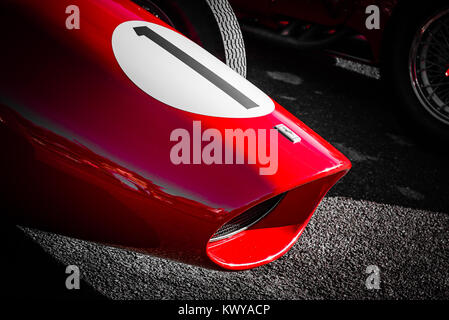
(247, 218)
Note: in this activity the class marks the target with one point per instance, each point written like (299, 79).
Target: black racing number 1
(220, 83)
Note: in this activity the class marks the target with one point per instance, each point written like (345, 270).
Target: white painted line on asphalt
(353, 154)
(358, 67)
(285, 77)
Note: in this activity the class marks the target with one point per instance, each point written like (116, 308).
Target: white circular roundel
(176, 71)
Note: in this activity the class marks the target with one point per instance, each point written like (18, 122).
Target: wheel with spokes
(420, 68)
(429, 66)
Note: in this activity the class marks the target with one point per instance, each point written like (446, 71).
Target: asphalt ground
(390, 211)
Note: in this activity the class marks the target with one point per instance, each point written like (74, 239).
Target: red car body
(85, 152)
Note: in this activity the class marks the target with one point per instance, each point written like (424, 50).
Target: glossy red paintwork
(350, 13)
(85, 152)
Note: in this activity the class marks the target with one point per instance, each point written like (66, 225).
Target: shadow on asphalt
(29, 272)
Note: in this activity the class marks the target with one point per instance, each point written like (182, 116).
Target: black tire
(414, 110)
(212, 24)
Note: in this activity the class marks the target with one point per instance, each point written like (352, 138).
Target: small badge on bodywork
(286, 132)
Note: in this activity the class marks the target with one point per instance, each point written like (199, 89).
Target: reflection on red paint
(85, 153)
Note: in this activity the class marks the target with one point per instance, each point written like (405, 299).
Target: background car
(411, 45)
